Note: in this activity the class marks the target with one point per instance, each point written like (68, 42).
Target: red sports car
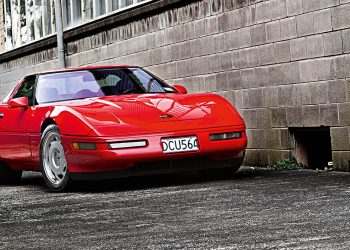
(114, 121)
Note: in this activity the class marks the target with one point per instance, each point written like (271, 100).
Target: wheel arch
(46, 123)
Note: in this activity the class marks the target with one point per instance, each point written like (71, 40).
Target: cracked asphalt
(256, 209)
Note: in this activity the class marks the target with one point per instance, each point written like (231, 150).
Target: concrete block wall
(282, 63)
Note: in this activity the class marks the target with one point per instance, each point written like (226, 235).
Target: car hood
(149, 113)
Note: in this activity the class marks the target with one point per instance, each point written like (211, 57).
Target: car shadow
(144, 182)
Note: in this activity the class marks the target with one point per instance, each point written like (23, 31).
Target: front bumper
(104, 159)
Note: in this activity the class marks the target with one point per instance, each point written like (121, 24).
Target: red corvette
(111, 122)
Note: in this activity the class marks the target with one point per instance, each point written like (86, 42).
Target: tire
(9, 176)
(53, 162)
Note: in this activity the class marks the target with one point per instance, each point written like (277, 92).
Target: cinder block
(238, 59)
(239, 99)
(311, 116)
(214, 63)
(211, 25)
(228, 95)
(274, 139)
(292, 72)
(314, 45)
(275, 74)
(323, 20)
(249, 116)
(231, 40)
(195, 47)
(305, 92)
(298, 49)
(222, 81)
(244, 39)
(341, 17)
(263, 118)
(340, 139)
(248, 78)
(278, 117)
(235, 79)
(346, 40)
(225, 61)
(282, 51)
(256, 98)
(294, 116)
(284, 73)
(257, 138)
(317, 69)
(342, 66)
(245, 98)
(294, 7)
(337, 91)
(329, 115)
(344, 114)
(261, 76)
(235, 19)
(224, 23)
(189, 30)
(278, 9)
(348, 90)
(263, 13)
(341, 160)
(256, 157)
(286, 139)
(185, 49)
(312, 5)
(333, 43)
(273, 31)
(284, 95)
(184, 68)
(267, 54)
(305, 24)
(247, 16)
(319, 92)
(199, 28)
(252, 56)
(258, 34)
(207, 45)
(210, 83)
(288, 28)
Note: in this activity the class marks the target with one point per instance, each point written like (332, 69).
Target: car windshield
(81, 84)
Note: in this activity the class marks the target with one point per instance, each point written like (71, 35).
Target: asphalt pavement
(256, 209)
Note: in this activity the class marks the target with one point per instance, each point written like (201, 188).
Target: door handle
(1, 115)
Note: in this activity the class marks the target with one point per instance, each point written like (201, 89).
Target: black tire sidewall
(64, 184)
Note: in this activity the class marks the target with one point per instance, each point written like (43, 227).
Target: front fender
(70, 122)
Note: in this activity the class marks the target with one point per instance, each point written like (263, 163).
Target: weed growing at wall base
(286, 164)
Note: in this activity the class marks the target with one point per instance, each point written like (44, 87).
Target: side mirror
(181, 89)
(20, 102)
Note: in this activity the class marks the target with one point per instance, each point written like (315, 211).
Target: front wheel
(53, 161)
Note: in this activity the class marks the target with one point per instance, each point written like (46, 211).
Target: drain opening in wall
(312, 146)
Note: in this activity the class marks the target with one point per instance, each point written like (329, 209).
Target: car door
(14, 123)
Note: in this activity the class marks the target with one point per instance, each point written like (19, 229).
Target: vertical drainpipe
(59, 31)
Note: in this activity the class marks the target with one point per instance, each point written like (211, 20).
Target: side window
(27, 90)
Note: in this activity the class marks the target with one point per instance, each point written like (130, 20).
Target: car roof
(84, 68)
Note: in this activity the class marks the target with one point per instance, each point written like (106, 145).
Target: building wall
(282, 63)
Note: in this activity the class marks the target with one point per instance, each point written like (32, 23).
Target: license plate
(180, 144)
